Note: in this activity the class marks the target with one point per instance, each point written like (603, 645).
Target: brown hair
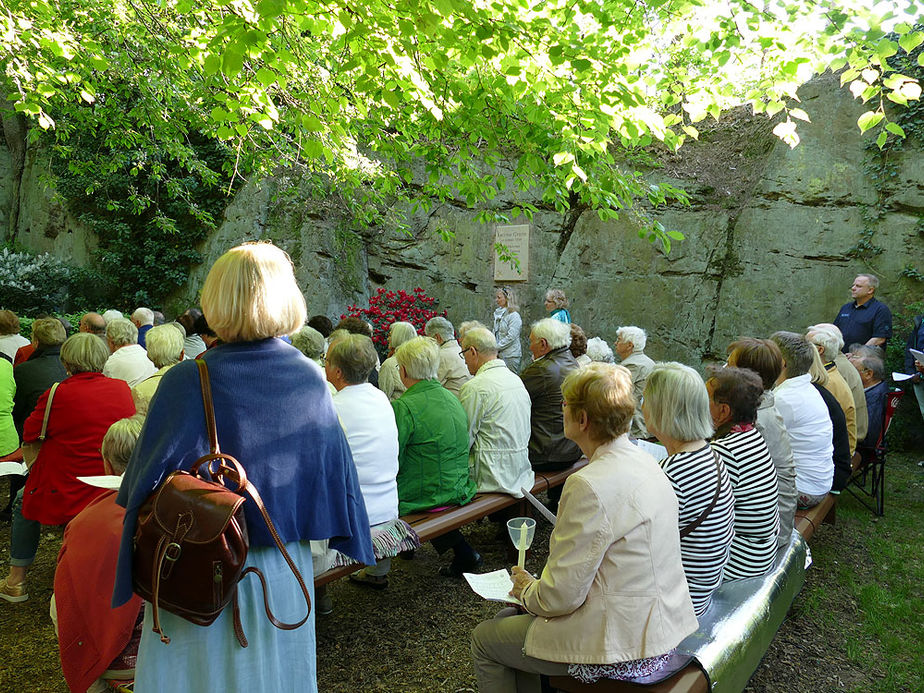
(604, 392)
(762, 356)
(578, 341)
(9, 323)
(739, 388)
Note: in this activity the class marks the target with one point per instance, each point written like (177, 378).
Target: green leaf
(271, 8)
(676, 235)
(921, 59)
(311, 123)
(232, 62)
(909, 42)
(895, 129)
(886, 48)
(211, 64)
(562, 158)
(800, 114)
(265, 77)
(881, 140)
(868, 120)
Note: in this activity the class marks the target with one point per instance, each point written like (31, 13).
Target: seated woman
(676, 409)
(389, 375)
(165, 350)
(432, 448)
(840, 436)
(612, 600)
(579, 345)
(83, 408)
(764, 358)
(97, 643)
(734, 394)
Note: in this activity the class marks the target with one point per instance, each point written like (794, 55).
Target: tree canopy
(401, 100)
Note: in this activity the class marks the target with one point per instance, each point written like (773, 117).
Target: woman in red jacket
(83, 408)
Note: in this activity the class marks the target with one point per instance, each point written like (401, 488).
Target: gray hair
(119, 442)
(420, 358)
(482, 339)
(833, 330)
(863, 350)
(399, 333)
(636, 335)
(599, 350)
(470, 325)
(439, 326)
(84, 353)
(355, 356)
(557, 334)
(121, 332)
(823, 337)
(310, 342)
(677, 402)
(111, 314)
(875, 364)
(872, 279)
(143, 315)
(557, 298)
(165, 345)
(797, 352)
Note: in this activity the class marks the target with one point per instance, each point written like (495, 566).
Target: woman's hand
(521, 580)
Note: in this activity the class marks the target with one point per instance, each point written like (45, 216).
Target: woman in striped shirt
(734, 395)
(676, 409)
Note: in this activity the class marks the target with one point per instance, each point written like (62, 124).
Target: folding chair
(868, 477)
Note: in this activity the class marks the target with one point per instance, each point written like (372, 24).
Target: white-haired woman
(274, 414)
(165, 350)
(676, 408)
(612, 600)
(83, 407)
(557, 304)
(389, 374)
(507, 327)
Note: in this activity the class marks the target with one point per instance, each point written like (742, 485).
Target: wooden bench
(429, 525)
(736, 630)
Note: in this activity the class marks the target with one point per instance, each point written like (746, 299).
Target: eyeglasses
(462, 353)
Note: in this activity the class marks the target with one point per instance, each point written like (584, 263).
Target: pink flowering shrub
(386, 307)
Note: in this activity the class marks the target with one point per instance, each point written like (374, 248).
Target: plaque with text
(516, 267)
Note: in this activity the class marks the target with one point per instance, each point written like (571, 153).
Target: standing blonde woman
(274, 414)
(507, 326)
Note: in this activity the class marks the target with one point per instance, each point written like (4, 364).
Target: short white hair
(164, 345)
(470, 325)
(143, 315)
(111, 314)
(399, 333)
(556, 334)
(439, 326)
(121, 332)
(598, 350)
(420, 358)
(482, 339)
(636, 335)
(833, 330)
(677, 402)
(826, 339)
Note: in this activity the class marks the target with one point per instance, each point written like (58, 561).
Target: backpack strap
(715, 499)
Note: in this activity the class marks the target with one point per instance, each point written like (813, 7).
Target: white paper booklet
(659, 452)
(899, 377)
(494, 586)
(7, 468)
(918, 355)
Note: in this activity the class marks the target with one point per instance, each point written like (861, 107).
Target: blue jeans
(24, 539)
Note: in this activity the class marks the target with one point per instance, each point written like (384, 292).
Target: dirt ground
(414, 636)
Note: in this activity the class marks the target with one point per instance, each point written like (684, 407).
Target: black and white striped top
(757, 515)
(704, 551)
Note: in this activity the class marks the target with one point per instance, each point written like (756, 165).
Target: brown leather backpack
(191, 539)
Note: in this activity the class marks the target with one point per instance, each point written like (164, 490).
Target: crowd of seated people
(450, 413)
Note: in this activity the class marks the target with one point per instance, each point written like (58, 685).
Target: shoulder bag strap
(245, 486)
(51, 396)
(715, 499)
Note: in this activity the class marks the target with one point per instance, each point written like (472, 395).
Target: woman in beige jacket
(612, 600)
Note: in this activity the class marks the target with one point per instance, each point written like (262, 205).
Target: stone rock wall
(767, 233)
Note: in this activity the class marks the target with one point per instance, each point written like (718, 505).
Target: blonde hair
(164, 344)
(250, 293)
(420, 357)
(513, 305)
(48, 332)
(604, 392)
(119, 442)
(84, 353)
(817, 369)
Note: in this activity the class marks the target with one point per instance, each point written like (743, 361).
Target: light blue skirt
(210, 658)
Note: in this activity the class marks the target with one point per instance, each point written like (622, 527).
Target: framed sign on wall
(511, 253)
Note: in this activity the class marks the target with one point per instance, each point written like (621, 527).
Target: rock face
(767, 233)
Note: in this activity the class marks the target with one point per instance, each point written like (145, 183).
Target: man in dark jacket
(549, 342)
(33, 377)
(912, 365)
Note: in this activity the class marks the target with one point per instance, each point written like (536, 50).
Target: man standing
(865, 320)
(452, 372)
(912, 365)
(128, 361)
(497, 406)
(143, 319)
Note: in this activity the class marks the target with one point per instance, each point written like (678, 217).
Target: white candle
(521, 545)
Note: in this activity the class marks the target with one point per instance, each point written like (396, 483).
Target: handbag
(191, 539)
(30, 451)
